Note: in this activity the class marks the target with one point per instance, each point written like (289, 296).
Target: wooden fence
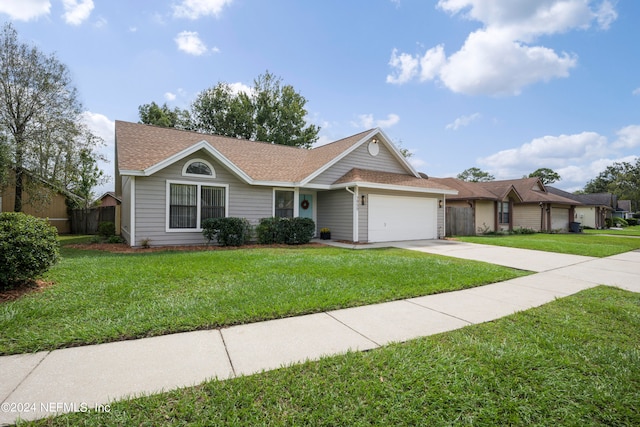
(460, 221)
(86, 221)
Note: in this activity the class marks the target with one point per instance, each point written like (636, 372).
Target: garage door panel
(401, 218)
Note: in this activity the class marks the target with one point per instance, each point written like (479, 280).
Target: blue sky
(508, 86)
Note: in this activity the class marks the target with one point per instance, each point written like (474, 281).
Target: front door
(306, 206)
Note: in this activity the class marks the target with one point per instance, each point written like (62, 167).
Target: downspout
(355, 212)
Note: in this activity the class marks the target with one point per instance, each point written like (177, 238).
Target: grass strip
(574, 361)
(575, 244)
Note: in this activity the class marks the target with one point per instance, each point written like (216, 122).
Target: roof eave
(393, 187)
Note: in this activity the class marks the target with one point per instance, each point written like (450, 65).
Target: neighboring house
(361, 187)
(595, 208)
(46, 202)
(108, 199)
(623, 209)
(505, 205)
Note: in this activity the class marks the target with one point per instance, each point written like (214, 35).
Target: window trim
(199, 186)
(296, 198)
(501, 212)
(195, 175)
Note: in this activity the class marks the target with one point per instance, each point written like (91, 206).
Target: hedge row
(233, 231)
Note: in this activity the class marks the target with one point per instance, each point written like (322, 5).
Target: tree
(152, 114)
(621, 179)
(269, 112)
(407, 153)
(475, 175)
(218, 110)
(279, 114)
(546, 175)
(41, 126)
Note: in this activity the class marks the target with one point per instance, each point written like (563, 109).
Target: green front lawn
(576, 244)
(573, 362)
(101, 297)
(626, 231)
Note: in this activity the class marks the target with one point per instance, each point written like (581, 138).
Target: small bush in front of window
(267, 231)
(290, 231)
(28, 248)
(229, 231)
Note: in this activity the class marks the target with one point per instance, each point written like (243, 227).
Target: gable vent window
(199, 168)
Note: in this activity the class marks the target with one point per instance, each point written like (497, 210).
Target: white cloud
(501, 58)
(628, 137)
(194, 9)
(25, 10)
(548, 151)
(189, 42)
(170, 96)
(367, 121)
(76, 11)
(238, 87)
(636, 91)
(463, 121)
(577, 158)
(405, 65)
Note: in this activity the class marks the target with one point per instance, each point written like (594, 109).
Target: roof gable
(144, 150)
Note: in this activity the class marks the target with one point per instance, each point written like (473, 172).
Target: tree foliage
(268, 112)
(546, 175)
(475, 175)
(41, 128)
(621, 179)
(153, 114)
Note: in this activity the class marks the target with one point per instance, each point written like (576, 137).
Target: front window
(190, 204)
(183, 206)
(284, 204)
(503, 212)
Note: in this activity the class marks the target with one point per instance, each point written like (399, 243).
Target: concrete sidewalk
(88, 378)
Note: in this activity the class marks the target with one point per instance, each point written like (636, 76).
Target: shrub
(290, 231)
(632, 221)
(28, 248)
(620, 222)
(267, 231)
(228, 231)
(298, 231)
(106, 229)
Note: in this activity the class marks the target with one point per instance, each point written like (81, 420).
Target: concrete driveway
(622, 270)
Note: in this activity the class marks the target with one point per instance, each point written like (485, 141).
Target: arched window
(200, 168)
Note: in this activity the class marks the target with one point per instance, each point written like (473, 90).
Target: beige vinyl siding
(527, 216)
(586, 216)
(360, 158)
(335, 211)
(485, 215)
(244, 201)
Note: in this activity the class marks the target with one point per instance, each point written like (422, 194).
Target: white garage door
(560, 219)
(402, 218)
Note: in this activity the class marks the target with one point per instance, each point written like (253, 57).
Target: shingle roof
(596, 199)
(530, 190)
(388, 178)
(140, 147)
